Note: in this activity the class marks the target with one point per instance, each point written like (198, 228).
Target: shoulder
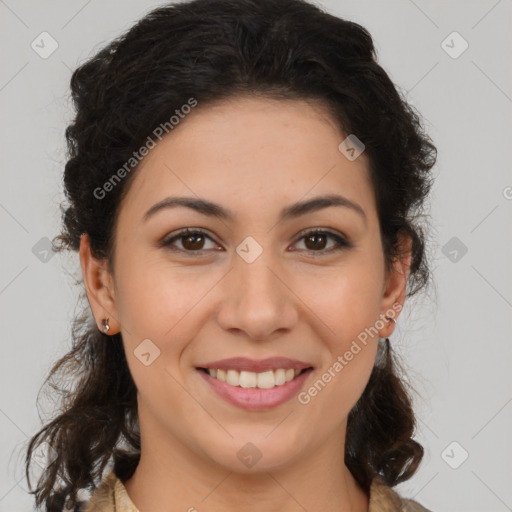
(101, 500)
(384, 499)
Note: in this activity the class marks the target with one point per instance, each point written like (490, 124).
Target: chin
(253, 454)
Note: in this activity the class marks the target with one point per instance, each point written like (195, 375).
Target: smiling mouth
(262, 380)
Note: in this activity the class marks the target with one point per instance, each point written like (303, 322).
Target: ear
(99, 285)
(394, 289)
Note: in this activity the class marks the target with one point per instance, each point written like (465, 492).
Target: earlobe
(99, 287)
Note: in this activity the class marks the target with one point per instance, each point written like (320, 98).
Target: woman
(244, 183)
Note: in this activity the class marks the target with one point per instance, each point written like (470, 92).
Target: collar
(111, 496)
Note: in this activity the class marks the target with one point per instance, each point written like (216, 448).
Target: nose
(258, 300)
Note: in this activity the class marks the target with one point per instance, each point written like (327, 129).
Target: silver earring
(391, 319)
(105, 325)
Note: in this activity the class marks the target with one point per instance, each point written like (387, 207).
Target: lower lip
(256, 399)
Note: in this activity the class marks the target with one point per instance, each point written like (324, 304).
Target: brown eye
(316, 241)
(190, 240)
(193, 242)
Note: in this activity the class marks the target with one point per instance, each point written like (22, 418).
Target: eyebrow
(290, 212)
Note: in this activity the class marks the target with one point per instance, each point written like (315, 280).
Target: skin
(253, 156)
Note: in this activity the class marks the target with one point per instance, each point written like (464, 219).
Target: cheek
(347, 299)
(154, 295)
(158, 309)
(348, 302)
(339, 384)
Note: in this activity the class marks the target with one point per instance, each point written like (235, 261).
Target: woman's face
(252, 285)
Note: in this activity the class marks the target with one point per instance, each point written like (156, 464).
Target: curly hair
(213, 50)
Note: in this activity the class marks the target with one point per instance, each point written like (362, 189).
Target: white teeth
(280, 377)
(263, 380)
(266, 380)
(247, 379)
(233, 378)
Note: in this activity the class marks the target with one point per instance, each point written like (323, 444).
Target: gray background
(455, 341)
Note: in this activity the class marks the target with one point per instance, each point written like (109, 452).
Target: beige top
(111, 496)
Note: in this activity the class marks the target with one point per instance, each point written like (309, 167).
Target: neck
(171, 477)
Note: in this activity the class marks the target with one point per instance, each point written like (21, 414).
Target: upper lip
(256, 366)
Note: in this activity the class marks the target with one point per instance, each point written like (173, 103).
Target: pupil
(316, 238)
(194, 243)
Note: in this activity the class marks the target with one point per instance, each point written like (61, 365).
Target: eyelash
(342, 242)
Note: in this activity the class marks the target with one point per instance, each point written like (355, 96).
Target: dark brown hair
(211, 50)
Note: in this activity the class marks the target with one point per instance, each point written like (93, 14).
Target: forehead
(251, 153)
